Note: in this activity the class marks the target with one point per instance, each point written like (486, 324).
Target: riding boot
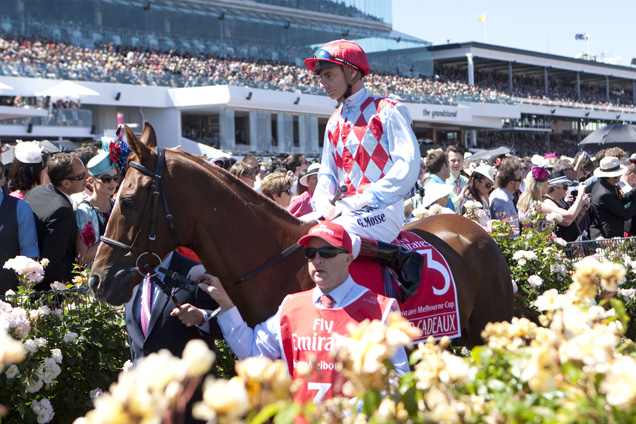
(405, 263)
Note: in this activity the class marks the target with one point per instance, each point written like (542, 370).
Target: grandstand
(229, 74)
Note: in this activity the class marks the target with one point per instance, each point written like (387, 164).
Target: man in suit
(54, 216)
(608, 212)
(165, 331)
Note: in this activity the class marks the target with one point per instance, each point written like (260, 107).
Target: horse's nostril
(93, 282)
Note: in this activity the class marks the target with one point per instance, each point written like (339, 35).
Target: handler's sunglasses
(325, 252)
(106, 179)
(324, 54)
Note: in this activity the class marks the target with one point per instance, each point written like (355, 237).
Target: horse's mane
(249, 197)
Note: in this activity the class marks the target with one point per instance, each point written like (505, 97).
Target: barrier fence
(601, 248)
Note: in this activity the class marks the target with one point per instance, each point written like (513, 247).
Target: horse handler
(370, 149)
(302, 331)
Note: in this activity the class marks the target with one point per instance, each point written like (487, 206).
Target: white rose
(12, 371)
(70, 336)
(34, 386)
(57, 356)
(44, 410)
(535, 281)
(30, 346)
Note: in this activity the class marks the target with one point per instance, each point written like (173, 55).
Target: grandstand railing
(57, 118)
(578, 105)
(610, 249)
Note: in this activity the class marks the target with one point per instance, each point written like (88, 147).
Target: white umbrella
(68, 89)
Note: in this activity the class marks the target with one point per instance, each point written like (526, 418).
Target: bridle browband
(156, 189)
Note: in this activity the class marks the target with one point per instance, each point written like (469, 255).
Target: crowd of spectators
(530, 87)
(42, 58)
(329, 7)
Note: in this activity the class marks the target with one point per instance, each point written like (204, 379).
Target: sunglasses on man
(76, 178)
(326, 252)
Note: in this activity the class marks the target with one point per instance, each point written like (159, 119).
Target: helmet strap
(350, 81)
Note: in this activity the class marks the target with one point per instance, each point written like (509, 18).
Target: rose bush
(72, 343)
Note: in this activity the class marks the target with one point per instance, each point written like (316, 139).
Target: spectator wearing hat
(479, 186)
(554, 202)
(336, 301)
(508, 179)
(17, 234)
(608, 213)
(28, 169)
(93, 212)
(301, 205)
(536, 187)
(437, 194)
(54, 216)
(456, 180)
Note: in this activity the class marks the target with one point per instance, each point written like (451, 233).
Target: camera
(574, 193)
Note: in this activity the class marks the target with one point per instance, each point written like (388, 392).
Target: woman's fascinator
(540, 174)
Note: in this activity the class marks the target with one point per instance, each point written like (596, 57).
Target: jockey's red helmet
(339, 52)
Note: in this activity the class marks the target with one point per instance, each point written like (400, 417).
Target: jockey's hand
(326, 210)
(188, 314)
(352, 203)
(212, 286)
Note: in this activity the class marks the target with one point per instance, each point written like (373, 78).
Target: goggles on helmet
(324, 54)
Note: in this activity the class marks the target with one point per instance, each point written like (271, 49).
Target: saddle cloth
(434, 308)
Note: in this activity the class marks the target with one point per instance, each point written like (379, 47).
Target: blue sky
(536, 25)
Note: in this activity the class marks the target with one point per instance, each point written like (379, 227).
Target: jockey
(370, 148)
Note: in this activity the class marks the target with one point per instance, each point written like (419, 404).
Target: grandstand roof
(494, 58)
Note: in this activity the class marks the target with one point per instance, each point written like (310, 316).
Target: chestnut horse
(235, 230)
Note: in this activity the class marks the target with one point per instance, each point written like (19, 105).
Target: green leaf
(371, 401)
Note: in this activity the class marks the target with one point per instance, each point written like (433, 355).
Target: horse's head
(138, 234)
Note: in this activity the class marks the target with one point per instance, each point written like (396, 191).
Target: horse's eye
(127, 202)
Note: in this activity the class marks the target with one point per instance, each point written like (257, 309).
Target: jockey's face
(328, 273)
(332, 80)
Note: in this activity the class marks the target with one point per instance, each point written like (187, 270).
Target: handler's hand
(212, 286)
(188, 314)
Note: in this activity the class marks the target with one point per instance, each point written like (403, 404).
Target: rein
(156, 189)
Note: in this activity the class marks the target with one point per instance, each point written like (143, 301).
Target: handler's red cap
(330, 232)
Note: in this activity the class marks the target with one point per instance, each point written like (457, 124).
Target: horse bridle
(156, 189)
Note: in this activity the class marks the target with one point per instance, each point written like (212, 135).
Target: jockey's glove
(326, 210)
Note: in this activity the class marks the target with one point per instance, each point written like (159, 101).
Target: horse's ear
(148, 136)
(143, 147)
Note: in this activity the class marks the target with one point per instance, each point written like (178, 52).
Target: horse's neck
(239, 229)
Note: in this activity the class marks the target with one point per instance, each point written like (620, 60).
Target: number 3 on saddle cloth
(434, 308)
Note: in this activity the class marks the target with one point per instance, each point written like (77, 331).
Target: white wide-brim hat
(610, 167)
(487, 171)
(313, 169)
(435, 191)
